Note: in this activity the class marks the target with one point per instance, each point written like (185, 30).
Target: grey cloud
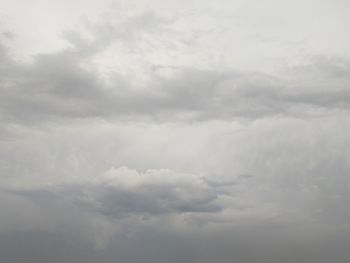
(241, 246)
(272, 169)
(62, 86)
(249, 241)
(285, 203)
(217, 162)
(110, 197)
(8, 34)
(57, 86)
(116, 28)
(302, 193)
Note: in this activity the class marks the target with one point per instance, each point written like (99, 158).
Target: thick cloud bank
(163, 131)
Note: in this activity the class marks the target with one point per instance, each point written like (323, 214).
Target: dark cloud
(152, 193)
(57, 86)
(66, 84)
(8, 34)
(148, 246)
(217, 162)
(250, 242)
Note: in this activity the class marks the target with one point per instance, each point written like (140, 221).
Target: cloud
(95, 213)
(58, 86)
(270, 169)
(124, 192)
(73, 83)
(128, 29)
(163, 134)
(158, 211)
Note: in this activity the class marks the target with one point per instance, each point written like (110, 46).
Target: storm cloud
(163, 131)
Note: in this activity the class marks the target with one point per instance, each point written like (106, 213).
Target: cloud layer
(60, 86)
(166, 132)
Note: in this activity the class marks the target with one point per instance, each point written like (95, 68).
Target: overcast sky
(174, 131)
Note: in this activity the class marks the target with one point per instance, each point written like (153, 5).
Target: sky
(174, 131)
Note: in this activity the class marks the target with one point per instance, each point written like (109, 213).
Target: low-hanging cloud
(67, 85)
(161, 135)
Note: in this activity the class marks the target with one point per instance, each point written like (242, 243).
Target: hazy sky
(174, 131)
